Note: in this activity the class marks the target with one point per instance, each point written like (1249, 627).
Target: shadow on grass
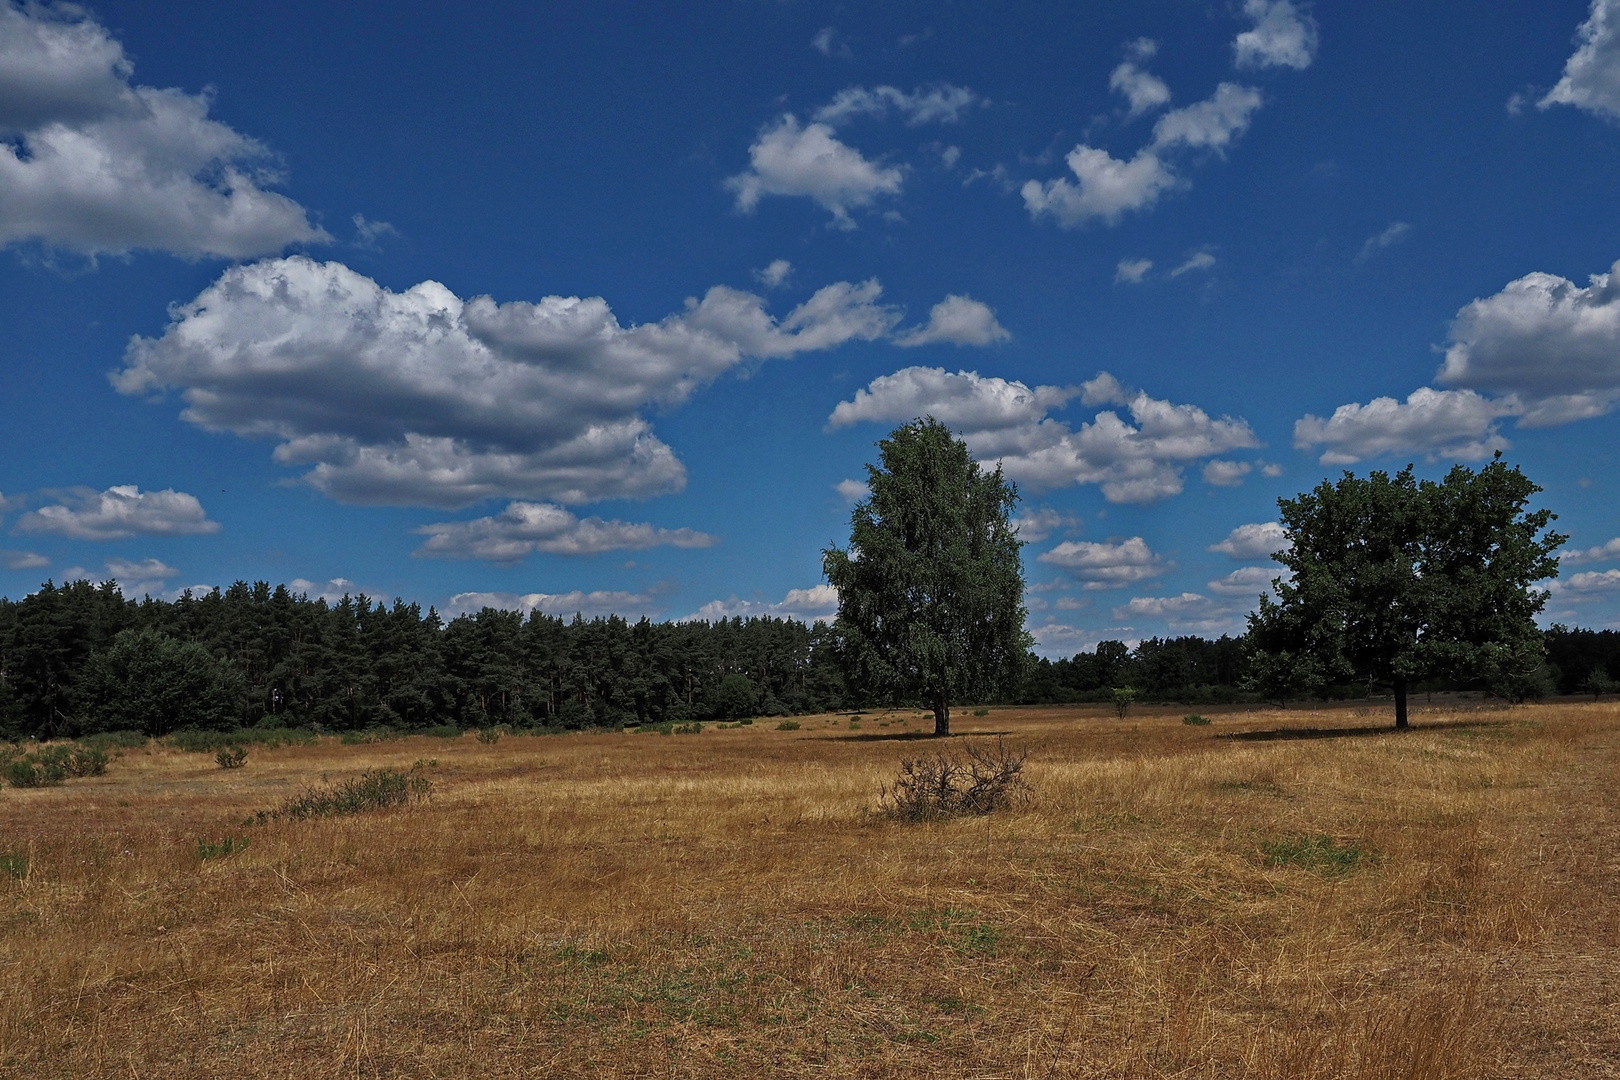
(1277, 734)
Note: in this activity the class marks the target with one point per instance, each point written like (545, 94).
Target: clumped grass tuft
(1320, 854)
(788, 725)
(374, 789)
(1195, 720)
(980, 780)
(981, 712)
(232, 757)
(231, 845)
(489, 736)
(14, 864)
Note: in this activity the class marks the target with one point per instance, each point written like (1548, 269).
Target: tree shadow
(1279, 734)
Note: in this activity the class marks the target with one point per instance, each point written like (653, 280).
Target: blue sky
(603, 307)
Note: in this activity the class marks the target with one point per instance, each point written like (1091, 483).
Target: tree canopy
(1392, 579)
(931, 587)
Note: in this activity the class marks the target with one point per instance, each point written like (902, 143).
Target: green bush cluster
(1195, 720)
(232, 757)
(51, 765)
(788, 725)
(374, 789)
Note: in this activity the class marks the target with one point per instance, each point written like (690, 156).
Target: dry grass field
(1171, 901)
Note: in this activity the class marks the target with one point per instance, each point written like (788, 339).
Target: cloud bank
(91, 163)
(1006, 422)
(423, 398)
(525, 527)
(118, 513)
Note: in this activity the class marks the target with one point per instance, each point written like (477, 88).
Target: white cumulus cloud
(1219, 473)
(526, 527)
(118, 513)
(940, 104)
(1105, 188)
(1036, 523)
(1600, 553)
(1143, 90)
(1106, 566)
(1132, 271)
(1198, 260)
(775, 275)
(22, 560)
(1247, 582)
(805, 605)
(1591, 78)
(956, 320)
(1282, 36)
(1393, 234)
(852, 490)
(1435, 423)
(1006, 422)
(630, 605)
(1545, 341)
(1254, 542)
(809, 161)
(90, 162)
(422, 398)
(140, 577)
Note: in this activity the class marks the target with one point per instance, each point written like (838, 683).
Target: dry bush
(979, 780)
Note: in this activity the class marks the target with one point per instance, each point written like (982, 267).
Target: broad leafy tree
(931, 587)
(1393, 580)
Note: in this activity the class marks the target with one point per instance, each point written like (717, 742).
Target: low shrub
(443, 731)
(788, 725)
(981, 712)
(1195, 720)
(50, 765)
(979, 780)
(374, 789)
(232, 757)
(694, 728)
(489, 736)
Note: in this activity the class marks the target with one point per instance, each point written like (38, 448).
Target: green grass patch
(1195, 720)
(231, 845)
(1319, 854)
(788, 725)
(15, 864)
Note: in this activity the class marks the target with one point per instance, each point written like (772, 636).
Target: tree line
(81, 658)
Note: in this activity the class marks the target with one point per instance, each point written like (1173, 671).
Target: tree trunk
(942, 718)
(1400, 704)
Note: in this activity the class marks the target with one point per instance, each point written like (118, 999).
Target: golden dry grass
(727, 905)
